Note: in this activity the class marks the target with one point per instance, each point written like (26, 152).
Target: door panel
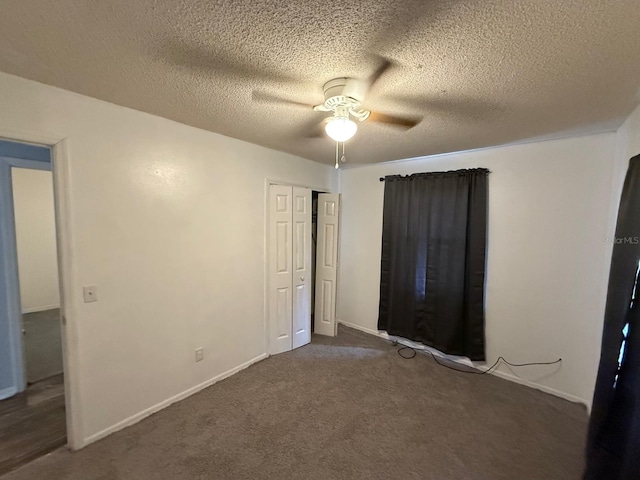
(327, 263)
(280, 271)
(299, 246)
(282, 234)
(302, 271)
(283, 311)
(328, 258)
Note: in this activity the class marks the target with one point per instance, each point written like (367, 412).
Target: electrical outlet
(199, 354)
(90, 294)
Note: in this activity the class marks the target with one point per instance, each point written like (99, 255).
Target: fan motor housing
(343, 92)
(343, 97)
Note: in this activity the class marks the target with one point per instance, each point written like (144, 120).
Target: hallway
(42, 344)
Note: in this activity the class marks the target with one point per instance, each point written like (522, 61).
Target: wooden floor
(32, 423)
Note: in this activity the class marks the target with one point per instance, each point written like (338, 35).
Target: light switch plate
(90, 294)
(199, 354)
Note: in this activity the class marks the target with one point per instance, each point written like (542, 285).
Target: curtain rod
(435, 173)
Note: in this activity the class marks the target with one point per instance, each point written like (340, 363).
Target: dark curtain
(613, 445)
(433, 260)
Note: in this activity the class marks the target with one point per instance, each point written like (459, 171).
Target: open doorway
(35, 232)
(32, 398)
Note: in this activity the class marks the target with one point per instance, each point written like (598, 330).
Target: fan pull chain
(342, 158)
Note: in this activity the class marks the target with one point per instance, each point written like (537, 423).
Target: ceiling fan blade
(385, 64)
(463, 108)
(313, 129)
(315, 133)
(401, 21)
(263, 97)
(208, 61)
(403, 122)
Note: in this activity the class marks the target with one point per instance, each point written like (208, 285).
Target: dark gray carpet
(343, 408)
(42, 344)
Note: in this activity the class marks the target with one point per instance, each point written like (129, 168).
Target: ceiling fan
(343, 98)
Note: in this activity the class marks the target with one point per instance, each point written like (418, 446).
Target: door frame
(267, 184)
(60, 168)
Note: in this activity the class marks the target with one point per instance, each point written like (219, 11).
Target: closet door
(289, 268)
(280, 268)
(327, 263)
(301, 266)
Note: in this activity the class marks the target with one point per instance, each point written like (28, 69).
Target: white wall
(628, 137)
(627, 146)
(168, 221)
(547, 260)
(36, 239)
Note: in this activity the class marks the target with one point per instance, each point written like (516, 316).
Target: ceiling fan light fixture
(341, 129)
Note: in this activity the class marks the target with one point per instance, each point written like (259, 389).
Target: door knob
(302, 279)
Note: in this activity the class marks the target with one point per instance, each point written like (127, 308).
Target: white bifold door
(326, 264)
(289, 267)
(290, 254)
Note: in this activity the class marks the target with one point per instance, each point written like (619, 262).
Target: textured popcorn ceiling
(480, 72)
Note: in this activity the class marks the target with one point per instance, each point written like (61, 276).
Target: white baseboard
(537, 386)
(165, 403)
(39, 309)
(8, 392)
(465, 361)
(377, 333)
